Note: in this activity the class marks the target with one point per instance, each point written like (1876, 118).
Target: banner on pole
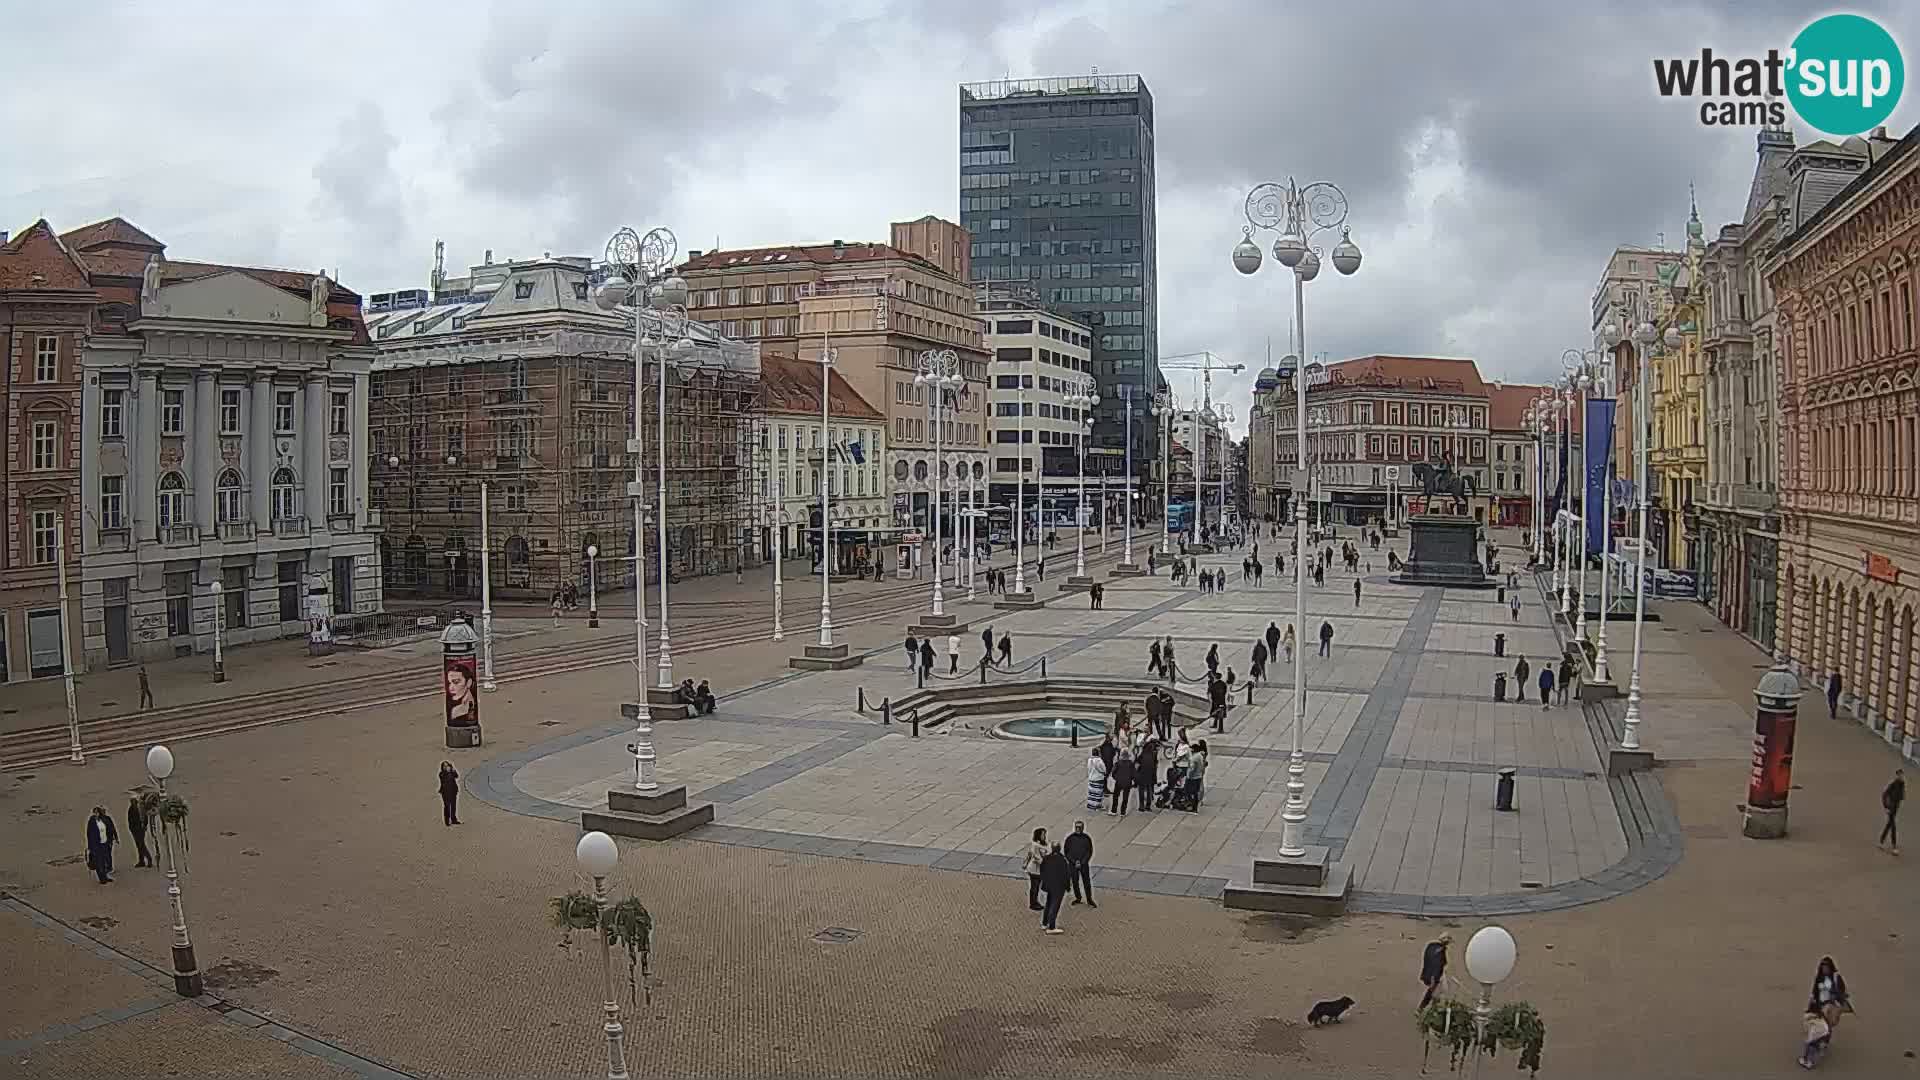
(1595, 442)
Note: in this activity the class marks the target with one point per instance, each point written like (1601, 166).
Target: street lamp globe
(611, 293)
(393, 461)
(1490, 955)
(218, 588)
(1671, 338)
(1309, 267)
(1246, 254)
(593, 551)
(1610, 334)
(672, 292)
(596, 854)
(1289, 248)
(1346, 254)
(159, 762)
(1644, 334)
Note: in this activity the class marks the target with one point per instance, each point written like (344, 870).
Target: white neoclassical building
(225, 443)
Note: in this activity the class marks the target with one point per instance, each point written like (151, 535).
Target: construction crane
(1206, 363)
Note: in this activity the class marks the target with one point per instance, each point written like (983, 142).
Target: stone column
(206, 448)
(1873, 698)
(313, 441)
(260, 455)
(1862, 631)
(144, 446)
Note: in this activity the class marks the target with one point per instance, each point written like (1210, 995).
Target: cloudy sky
(1493, 153)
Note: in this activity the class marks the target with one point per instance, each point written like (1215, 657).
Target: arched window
(284, 508)
(172, 508)
(228, 504)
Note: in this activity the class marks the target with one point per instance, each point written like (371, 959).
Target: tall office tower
(1056, 188)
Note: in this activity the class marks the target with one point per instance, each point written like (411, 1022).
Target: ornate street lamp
(939, 375)
(1082, 395)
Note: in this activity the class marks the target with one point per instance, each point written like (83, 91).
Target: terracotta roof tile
(113, 232)
(37, 260)
(1437, 373)
(1509, 405)
(791, 385)
(798, 254)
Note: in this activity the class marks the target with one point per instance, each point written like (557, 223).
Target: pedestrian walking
(1520, 672)
(1054, 876)
(449, 793)
(556, 609)
(101, 836)
(926, 658)
(146, 690)
(1515, 604)
(1153, 657)
(137, 825)
(953, 654)
(1217, 700)
(1326, 639)
(913, 651)
(1213, 659)
(1040, 567)
(1006, 649)
(1433, 967)
(1036, 854)
(986, 641)
(1356, 592)
(1891, 797)
(1833, 696)
(1567, 672)
(1096, 780)
(1546, 686)
(1079, 852)
(1273, 639)
(1122, 786)
(1257, 671)
(1288, 643)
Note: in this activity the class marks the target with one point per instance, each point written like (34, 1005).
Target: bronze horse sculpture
(1442, 480)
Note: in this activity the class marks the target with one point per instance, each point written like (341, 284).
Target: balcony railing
(179, 535)
(290, 526)
(236, 530)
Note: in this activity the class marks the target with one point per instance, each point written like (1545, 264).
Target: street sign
(1393, 473)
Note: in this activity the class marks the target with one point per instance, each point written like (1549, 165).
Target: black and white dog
(1329, 1012)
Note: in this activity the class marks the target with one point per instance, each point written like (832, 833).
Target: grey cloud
(357, 176)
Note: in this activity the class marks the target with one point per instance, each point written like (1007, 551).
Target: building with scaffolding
(510, 383)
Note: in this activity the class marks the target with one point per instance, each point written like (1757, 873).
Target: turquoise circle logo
(1846, 74)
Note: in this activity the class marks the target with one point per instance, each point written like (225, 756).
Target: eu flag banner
(1595, 445)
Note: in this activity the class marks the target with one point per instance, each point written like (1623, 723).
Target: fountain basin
(1050, 729)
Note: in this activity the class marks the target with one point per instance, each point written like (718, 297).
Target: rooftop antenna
(1661, 238)
(439, 267)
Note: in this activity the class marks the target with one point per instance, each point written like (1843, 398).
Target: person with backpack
(1520, 672)
(1326, 639)
(1546, 686)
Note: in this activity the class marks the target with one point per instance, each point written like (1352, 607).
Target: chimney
(488, 261)
(694, 254)
(3, 236)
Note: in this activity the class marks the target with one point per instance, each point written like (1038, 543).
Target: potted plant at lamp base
(1514, 1026)
(627, 924)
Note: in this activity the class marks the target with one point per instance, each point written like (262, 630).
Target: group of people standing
(102, 836)
(1127, 761)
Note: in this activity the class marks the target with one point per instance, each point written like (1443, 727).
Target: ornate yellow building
(1678, 465)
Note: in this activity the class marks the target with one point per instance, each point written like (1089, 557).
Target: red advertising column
(460, 684)
(1775, 715)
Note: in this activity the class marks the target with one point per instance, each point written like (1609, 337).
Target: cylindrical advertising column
(1778, 705)
(460, 683)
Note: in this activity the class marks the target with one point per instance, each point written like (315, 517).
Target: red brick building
(1845, 281)
(46, 306)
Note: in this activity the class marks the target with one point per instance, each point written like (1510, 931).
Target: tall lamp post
(1643, 338)
(1162, 408)
(593, 586)
(597, 854)
(939, 375)
(777, 518)
(186, 971)
(74, 753)
(1081, 396)
(1604, 381)
(1581, 366)
(640, 280)
(828, 356)
(1020, 493)
(1299, 214)
(1126, 550)
(1223, 413)
(219, 623)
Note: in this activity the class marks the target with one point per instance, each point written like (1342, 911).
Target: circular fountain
(1050, 729)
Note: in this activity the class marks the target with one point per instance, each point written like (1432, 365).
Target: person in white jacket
(953, 654)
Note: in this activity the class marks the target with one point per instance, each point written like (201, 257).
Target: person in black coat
(101, 836)
(1273, 639)
(1433, 966)
(1217, 699)
(1146, 768)
(137, 825)
(1257, 670)
(926, 658)
(449, 793)
(1055, 875)
(1213, 659)
(1326, 639)
(1121, 775)
(913, 651)
(1006, 649)
(986, 640)
(1079, 852)
(1108, 752)
(1153, 657)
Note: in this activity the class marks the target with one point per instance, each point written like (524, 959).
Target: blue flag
(1597, 443)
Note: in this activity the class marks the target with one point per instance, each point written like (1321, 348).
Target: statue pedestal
(1444, 549)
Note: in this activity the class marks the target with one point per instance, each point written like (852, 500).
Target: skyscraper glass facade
(1056, 187)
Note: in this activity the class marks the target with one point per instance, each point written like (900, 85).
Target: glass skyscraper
(1056, 186)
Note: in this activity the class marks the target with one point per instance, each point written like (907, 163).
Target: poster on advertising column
(461, 677)
(1772, 760)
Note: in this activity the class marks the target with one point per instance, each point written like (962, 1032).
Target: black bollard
(1043, 667)
(916, 723)
(1074, 733)
(886, 710)
(862, 706)
(1503, 791)
(1249, 693)
(919, 677)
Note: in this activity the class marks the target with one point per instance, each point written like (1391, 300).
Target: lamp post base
(464, 737)
(593, 618)
(1077, 583)
(1020, 601)
(1764, 823)
(1127, 569)
(654, 815)
(1621, 761)
(186, 973)
(1312, 884)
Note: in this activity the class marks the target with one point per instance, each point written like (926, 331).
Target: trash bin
(1499, 644)
(1503, 790)
(1500, 686)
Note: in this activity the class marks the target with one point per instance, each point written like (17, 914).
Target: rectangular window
(172, 410)
(46, 358)
(282, 411)
(754, 295)
(340, 413)
(230, 412)
(733, 297)
(776, 294)
(337, 493)
(113, 502)
(179, 590)
(46, 442)
(46, 536)
(112, 408)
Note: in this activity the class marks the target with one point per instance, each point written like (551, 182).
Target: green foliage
(1515, 1026)
(167, 813)
(628, 926)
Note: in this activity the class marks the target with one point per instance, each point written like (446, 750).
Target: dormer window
(522, 290)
